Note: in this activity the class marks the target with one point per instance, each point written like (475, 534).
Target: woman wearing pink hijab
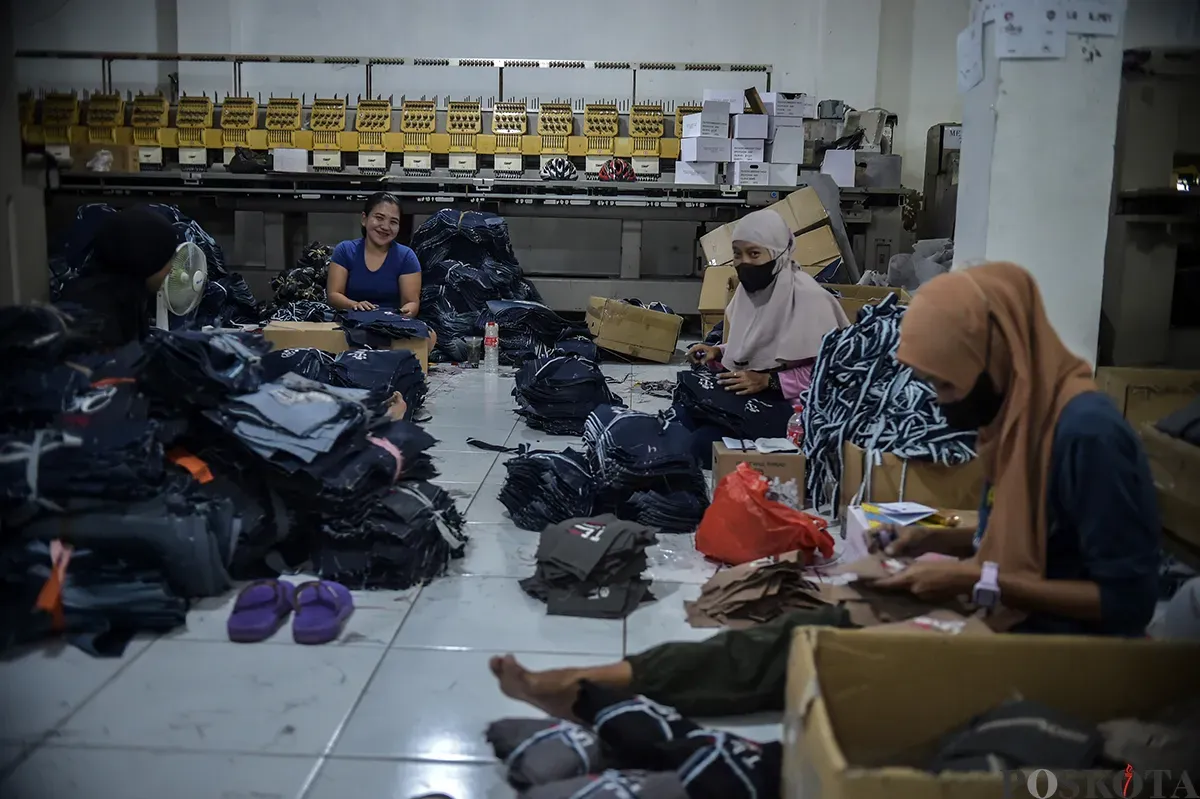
(777, 318)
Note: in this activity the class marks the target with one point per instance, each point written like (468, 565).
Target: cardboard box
(747, 150)
(709, 320)
(1147, 395)
(855, 298)
(807, 212)
(852, 731)
(734, 97)
(784, 465)
(775, 123)
(717, 289)
(816, 247)
(329, 337)
(748, 173)
(924, 482)
(638, 332)
(1176, 468)
(717, 246)
(801, 210)
(749, 126)
(795, 105)
(695, 173)
(124, 157)
(783, 174)
(786, 146)
(704, 149)
(712, 120)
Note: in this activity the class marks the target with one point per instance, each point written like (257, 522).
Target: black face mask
(756, 278)
(983, 402)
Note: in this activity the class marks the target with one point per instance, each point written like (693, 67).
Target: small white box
(793, 104)
(694, 173)
(736, 99)
(289, 159)
(787, 147)
(748, 173)
(747, 150)
(749, 126)
(784, 174)
(713, 120)
(704, 149)
(775, 123)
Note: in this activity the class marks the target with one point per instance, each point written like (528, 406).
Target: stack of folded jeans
(383, 371)
(592, 567)
(307, 362)
(379, 328)
(545, 488)
(556, 394)
(635, 454)
(228, 301)
(576, 345)
(405, 538)
(467, 236)
(188, 367)
(763, 415)
(37, 336)
(526, 326)
(108, 596)
(33, 398)
(305, 281)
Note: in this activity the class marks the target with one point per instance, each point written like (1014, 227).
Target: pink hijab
(784, 323)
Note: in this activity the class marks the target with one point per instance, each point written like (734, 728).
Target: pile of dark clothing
(300, 290)
(467, 260)
(1184, 424)
(557, 393)
(192, 369)
(592, 567)
(763, 415)
(379, 328)
(645, 469)
(527, 327)
(544, 488)
(382, 372)
(630, 746)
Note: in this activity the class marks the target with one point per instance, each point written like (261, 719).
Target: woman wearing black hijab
(131, 256)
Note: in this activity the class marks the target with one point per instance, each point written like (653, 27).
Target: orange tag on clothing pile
(197, 468)
(49, 598)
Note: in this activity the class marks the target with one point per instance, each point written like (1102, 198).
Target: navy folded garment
(384, 371)
(556, 394)
(379, 328)
(198, 369)
(763, 415)
(526, 327)
(305, 361)
(544, 488)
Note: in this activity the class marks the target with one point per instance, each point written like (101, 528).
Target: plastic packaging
(491, 347)
(795, 428)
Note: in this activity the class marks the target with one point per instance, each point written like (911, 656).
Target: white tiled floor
(395, 708)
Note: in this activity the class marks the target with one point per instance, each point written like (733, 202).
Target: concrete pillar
(1035, 179)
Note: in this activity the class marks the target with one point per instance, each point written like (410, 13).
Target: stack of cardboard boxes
(724, 143)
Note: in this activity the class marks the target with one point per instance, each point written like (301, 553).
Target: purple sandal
(260, 610)
(322, 608)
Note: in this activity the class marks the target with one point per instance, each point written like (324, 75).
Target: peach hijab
(944, 334)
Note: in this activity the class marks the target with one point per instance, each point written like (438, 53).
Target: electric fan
(183, 289)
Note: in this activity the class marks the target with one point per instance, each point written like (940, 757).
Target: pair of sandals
(321, 609)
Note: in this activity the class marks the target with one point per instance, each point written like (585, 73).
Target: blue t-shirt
(382, 286)
(1102, 519)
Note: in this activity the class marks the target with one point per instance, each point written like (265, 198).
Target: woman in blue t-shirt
(374, 271)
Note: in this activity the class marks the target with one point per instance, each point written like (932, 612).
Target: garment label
(950, 626)
(836, 579)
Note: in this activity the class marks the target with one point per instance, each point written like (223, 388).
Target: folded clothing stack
(544, 488)
(189, 367)
(592, 567)
(404, 538)
(525, 326)
(379, 328)
(384, 371)
(299, 292)
(556, 394)
(633, 453)
(307, 362)
(762, 415)
(576, 345)
(1183, 424)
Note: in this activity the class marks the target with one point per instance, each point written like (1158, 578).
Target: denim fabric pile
(467, 259)
(299, 292)
(379, 328)
(644, 469)
(763, 415)
(544, 488)
(174, 466)
(527, 326)
(556, 394)
(860, 393)
(307, 362)
(382, 372)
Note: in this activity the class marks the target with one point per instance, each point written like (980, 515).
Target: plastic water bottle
(491, 348)
(795, 428)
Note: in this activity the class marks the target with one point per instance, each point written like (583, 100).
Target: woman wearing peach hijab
(1069, 522)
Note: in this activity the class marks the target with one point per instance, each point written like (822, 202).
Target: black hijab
(129, 248)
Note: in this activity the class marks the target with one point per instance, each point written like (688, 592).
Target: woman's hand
(895, 540)
(363, 305)
(702, 353)
(409, 309)
(934, 581)
(743, 383)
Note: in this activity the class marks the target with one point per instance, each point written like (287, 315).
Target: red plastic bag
(742, 525)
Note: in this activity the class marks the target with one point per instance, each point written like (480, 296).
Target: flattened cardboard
(867, 709)
(637, 332)
(1176, 468)
(1147, 395)
(720, 282)
(928, 483)
(717, 246)
(855, 298)
(807, 210)
(816, 247)
(784, 465)
(329, 337)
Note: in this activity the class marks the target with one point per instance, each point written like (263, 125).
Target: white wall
(895, 53)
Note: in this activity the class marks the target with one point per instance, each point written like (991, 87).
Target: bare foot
(553, 692)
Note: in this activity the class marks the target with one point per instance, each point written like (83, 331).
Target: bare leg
(554, 691)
